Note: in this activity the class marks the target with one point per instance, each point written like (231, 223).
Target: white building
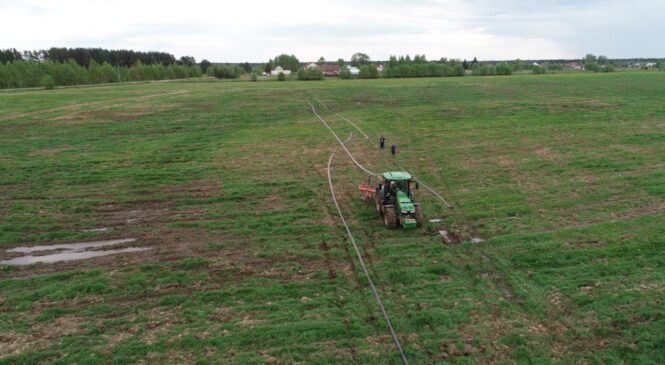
(277, 70)
(312, 65)
(353, 70)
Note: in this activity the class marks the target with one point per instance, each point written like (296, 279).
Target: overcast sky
(254, 31)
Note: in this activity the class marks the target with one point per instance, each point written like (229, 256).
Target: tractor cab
(394, 182)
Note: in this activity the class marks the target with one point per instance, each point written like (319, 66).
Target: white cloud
(254, 31)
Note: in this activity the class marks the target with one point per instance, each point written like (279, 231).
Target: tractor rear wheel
(377, 202)
(419, 216)
(390, 217)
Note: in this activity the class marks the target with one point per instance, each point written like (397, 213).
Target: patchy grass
(562, 175)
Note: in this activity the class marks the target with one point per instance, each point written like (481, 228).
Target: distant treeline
(83, 56)
(49, 74)
(490, 70)
(420, 67)
(79, 66)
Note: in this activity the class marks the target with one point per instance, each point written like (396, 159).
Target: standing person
(393, 149)
(382, 142)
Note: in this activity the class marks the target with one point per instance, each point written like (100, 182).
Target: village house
(329, 70)
(572, 65)
(277, 70)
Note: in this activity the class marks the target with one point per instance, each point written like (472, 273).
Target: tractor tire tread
(377, 202)
(419, 216)
(390, 217)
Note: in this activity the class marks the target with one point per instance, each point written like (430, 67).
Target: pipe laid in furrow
(342, 143)
(343, 117)
(398, 345)
(441, 198)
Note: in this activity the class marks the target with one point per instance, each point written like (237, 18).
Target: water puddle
(69, 256)
(72, 246)
(70, 251)
(103, 229)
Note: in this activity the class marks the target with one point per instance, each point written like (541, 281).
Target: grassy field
(563, 176)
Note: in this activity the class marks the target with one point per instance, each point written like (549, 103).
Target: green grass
(562, 175)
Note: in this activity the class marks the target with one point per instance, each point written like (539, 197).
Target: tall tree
(359, 59)
(419, 59)
(287, 62)
(187, 61)
(10, 55)
(204, 65)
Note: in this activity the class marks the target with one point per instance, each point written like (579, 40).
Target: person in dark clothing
(393, 149)
(382, 142)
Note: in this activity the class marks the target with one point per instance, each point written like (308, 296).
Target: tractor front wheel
(390, 217)
(419, 216)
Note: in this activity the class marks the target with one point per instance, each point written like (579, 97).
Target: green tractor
(393, 197)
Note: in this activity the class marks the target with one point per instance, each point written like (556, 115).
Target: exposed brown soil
(13, 343)
(589, 104)
(196, 189)
(148, 223)
(450, 237)
(41, 335)
(50, 151)
(506, 162)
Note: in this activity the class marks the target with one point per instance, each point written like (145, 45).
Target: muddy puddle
(72, 246)
(70, 251)
(68, 256)
(449, 238)
(103, 229)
